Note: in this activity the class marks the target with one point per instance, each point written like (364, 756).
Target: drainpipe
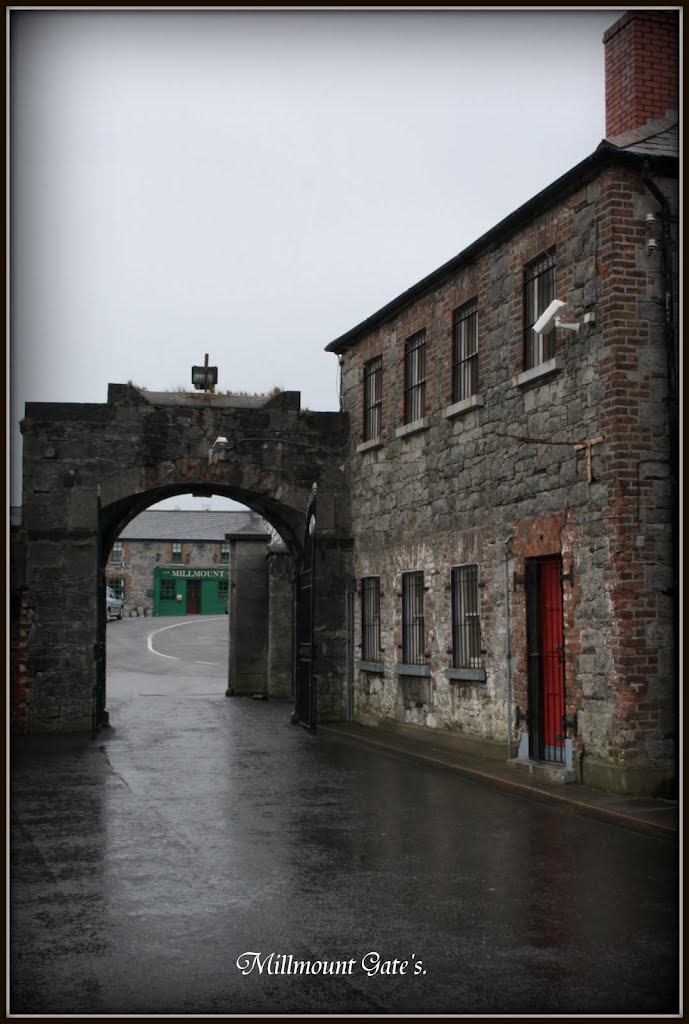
(349, 650)
(508, 647)
(673, 418)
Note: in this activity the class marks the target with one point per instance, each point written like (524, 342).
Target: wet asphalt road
(199, 828)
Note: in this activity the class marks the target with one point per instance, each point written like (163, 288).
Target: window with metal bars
(168, 590)
(415, 377)
(539, 292)
(176, 551)
(465, 351)
(466, 620)
(116, 553)
(373, 398)
(223, 589)
(370, 618)
(225, 551)
(413, 629)
(116, 584)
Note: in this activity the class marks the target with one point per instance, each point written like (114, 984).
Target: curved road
(184, 654)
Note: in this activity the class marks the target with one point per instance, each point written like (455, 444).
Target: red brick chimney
(641, 69)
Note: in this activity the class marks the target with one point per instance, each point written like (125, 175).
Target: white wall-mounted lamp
(217, 452)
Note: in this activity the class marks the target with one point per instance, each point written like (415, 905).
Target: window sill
(368, 446)
(536, 372)
(412, 670)
(466, 675)
(412, 428)
(466, 405)
(369, 666)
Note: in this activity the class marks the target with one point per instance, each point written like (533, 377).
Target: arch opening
(175, 567)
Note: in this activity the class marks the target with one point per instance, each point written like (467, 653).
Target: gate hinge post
(570, 722)
(568, 576)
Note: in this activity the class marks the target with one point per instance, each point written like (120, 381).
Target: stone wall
(484, 482)
(248, 618)
(280, 622)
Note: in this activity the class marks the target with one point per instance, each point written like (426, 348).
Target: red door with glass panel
(193, 597)
(546, 663)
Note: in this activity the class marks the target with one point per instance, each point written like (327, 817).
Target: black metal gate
(305, 690)
(546, 663)
(99, 712)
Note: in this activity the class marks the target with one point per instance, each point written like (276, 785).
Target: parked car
(114, 605)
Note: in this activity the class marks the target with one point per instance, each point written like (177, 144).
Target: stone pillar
(61, 579)
(280, 622)
(333, 570)
(248, 615)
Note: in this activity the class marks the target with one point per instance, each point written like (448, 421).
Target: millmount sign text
(197, 574)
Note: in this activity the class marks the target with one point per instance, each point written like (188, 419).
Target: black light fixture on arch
(204, 378)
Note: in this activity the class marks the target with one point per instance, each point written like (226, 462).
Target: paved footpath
(651, 815)
(177, 862)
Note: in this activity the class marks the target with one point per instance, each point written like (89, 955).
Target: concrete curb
(529, 791)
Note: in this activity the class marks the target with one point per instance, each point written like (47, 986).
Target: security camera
(547, 321)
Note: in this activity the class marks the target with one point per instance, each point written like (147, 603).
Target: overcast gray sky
(252, 184)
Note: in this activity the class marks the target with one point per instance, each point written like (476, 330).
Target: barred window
(168, 590)
(176, 551)
(415, 377)
(466, 622)
(225, 551)
(373, 398)
(370, 618)
(539, 292)
(116, 553)
(223, 589)
(117, 586)
(413, 631)
(465, 351)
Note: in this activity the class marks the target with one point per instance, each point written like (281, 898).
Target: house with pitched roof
(179, 562)
(514, 463)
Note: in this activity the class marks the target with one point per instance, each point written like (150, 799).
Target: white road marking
(149, 638)
(207, 662)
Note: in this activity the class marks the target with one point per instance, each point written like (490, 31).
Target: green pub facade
(174, 562)
(193, 590)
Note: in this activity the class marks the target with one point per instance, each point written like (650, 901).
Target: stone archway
(262, 579)
(90, 469)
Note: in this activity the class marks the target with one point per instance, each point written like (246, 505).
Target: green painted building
(190, 590)
(175, 562)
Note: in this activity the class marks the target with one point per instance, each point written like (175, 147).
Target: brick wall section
(641, 69)
(636, 470)
(459, 491)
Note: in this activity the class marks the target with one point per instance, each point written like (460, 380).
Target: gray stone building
(175, 562)
(514, 463)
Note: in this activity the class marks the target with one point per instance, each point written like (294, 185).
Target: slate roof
(163, 524)
(658, 137)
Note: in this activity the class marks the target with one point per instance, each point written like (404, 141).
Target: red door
(545, 649)
(193, 597)
(552, 659)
